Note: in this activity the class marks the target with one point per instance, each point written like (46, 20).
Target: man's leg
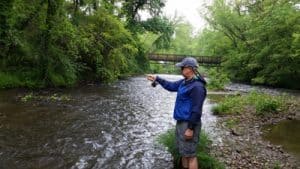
(189, 162)
(187, 149)
(193, 163)
(185, 162)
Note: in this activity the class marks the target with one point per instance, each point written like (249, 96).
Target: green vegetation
(277, 165)
(59, 43)
(231, 123)
(205, 160)
(183, 42)
(261, 104)
(54, 97)
(216, 98)
(27, 97)
(164, 68)
(217, 79)
(258, 40)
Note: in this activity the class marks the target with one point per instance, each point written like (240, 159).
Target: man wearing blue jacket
(191, 93)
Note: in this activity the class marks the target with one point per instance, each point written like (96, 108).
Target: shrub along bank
(261, 104)
(205, 160)
(242, 118)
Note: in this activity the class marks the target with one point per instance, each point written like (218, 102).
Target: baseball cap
(188, 62)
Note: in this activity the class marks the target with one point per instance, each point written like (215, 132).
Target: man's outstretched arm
(170, 86)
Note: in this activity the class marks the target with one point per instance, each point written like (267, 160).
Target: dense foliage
(258, 40)
(217, 80)
(60, 42)
(261, 40)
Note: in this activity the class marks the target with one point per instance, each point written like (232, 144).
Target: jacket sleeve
(170, 86)
(198, 94)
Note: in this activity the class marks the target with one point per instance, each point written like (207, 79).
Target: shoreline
(243, 146)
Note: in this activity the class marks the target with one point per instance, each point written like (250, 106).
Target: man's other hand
(188, 134)
(151, 77)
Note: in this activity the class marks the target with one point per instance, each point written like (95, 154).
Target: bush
(53, 51)
(261, 103)
(204, 159)
(273, 58)
(231, 105)
(8, 80)
(108, 50)
(217, 110)
(265, 103)
(23, 78)
(217, 79)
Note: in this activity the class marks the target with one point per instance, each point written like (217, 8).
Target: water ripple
(107, 126)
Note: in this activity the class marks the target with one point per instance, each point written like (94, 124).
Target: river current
(102, 126)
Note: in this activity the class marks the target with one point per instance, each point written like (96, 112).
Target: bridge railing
(209, 60)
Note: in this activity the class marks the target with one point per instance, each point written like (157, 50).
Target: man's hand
(152, 78)
(188, 134)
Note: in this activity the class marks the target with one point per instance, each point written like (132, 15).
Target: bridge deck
(207, 60)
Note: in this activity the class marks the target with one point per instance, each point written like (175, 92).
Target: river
(102, 126)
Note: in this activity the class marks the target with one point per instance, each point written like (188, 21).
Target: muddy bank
(242, 145)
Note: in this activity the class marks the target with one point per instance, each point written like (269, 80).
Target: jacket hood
(201, 79)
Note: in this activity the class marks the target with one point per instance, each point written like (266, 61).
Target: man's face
(187, 71)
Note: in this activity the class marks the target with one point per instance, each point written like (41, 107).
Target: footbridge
(202, 60)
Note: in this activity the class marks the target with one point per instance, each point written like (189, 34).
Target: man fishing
(191, 93)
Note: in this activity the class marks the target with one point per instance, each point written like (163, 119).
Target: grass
(205, 161)
(216, 98)
(276, 165)
(54, 97)
(262, 104)
(231, 123)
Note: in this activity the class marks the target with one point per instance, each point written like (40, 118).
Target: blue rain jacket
(190, 97)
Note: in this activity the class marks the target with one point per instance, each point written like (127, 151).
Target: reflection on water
(285, 133)
(107, 126)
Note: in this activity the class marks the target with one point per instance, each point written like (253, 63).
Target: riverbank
(242, 144)
(205, 160)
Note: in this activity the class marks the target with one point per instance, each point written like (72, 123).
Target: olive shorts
(187, 148)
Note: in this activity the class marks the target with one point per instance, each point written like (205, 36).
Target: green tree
(182, 40)
(263, 36)
(212, 43)
(107, 49)
(58, 42)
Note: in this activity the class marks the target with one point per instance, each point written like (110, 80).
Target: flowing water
(106, 126)
(238, 87)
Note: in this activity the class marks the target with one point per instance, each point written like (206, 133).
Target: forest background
(46, 43)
